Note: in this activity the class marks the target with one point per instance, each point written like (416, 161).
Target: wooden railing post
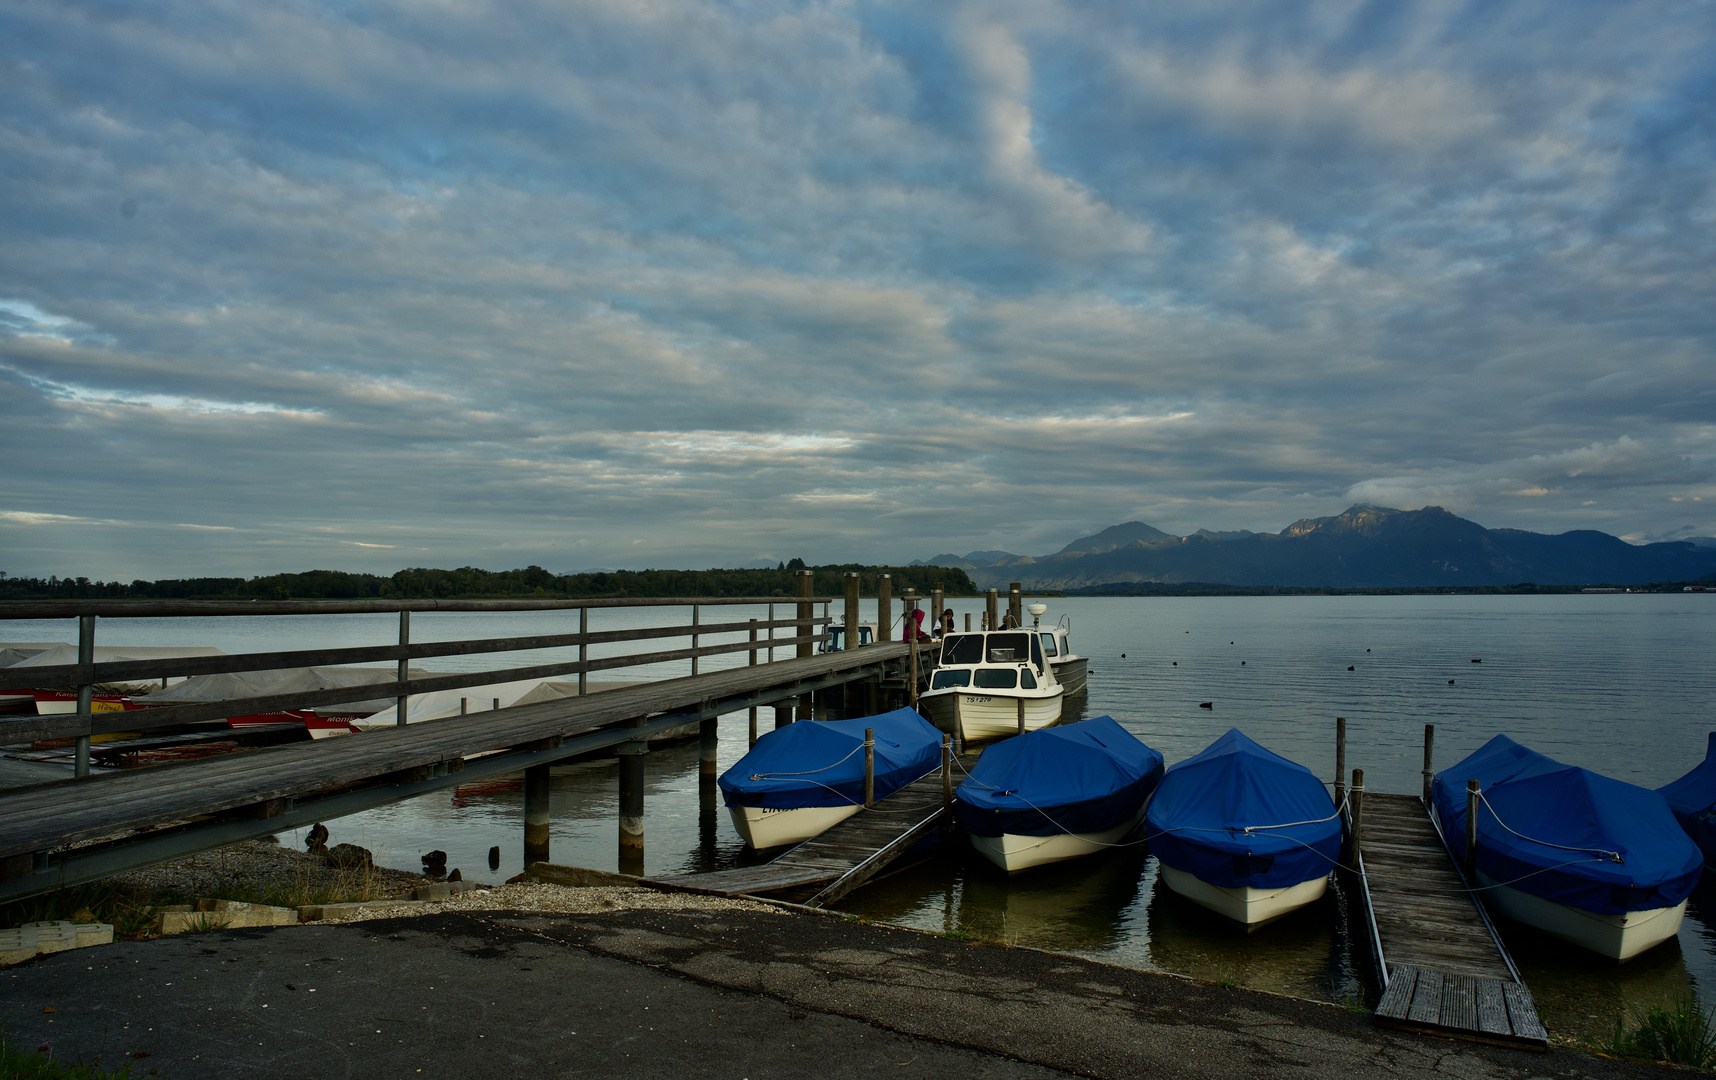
(869, 768)
(753, 663)
(1472, 792)
(399, 718)
(771, 633)
(1429, 773)
(583, 651)
(695, 616)
(85, 692)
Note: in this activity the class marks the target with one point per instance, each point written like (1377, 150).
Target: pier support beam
(536, 814)
(632, 803)
(783, 715)
(708, 739)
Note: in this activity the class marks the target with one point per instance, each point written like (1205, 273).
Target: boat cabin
(836, 639)
(996, 660)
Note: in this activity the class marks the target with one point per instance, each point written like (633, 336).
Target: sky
(364, 284)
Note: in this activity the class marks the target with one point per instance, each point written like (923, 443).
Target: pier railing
(806, 628)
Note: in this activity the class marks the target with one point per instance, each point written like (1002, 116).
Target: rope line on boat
(1051, 820)
(1611, 856)
(807, 772)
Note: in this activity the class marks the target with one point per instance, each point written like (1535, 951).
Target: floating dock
(1444, 968)
(842, 858)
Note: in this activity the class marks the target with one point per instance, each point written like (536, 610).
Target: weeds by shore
(1682, 1032)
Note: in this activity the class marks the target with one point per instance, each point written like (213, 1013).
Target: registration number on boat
(976, 700)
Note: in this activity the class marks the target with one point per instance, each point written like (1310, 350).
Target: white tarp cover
(445, 703)
(305, 680)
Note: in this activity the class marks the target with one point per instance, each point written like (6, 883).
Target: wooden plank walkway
(50, 816)
(1446, 970)
(844, 857)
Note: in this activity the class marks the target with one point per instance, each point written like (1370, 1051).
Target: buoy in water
(1206, 704)
(494, 857)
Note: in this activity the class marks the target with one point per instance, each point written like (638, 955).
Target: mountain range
(1365, 547)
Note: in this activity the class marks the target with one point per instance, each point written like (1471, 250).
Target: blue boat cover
(1567, 834)
(1693, 800)
(1079, 778)
(821, 762)
(1197, 819)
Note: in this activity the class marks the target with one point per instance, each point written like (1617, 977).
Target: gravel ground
(257, 863)
(563, 900)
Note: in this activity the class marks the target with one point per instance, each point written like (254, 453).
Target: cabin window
(962, 649)
(1009, 648)
(1027, 678)
(951, 677)
(997, 678)
(1049, 644)
(1036, 652)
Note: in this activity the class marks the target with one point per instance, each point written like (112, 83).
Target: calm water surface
(1617, 683)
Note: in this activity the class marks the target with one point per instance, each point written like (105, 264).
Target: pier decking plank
(842, 858)
(1447, 971)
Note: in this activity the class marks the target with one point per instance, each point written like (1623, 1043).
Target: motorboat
(1071, 670)
(1243, 831)
(1587, 858)
(1057, 793)
(989, 684)
(836, 639)
(801, 779)
(1692, 799)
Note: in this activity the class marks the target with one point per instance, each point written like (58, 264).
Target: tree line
(473, 583)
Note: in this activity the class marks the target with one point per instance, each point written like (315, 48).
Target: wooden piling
(946, 781)
(1020, 702)
(631, 756)
(536, 814)
(806, 611)
(911, 602)
(1016, 603)
(1429, 773)
(1357, 803)
(968, 622)
(783, 715)
(1472, 793)
(583, 652)
(885, 608)
(938, 603)
(708, 741)
(399, 704)
(851, 610)
(753, 663)
(695, 612)
(86, 690)
(991, 609)
(1340, 758)
(869, 768)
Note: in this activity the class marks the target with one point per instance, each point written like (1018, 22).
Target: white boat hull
(1618, 937)
(1013, 852)
(977, 715)
(764, 827)
(1249, 906)
(1071, 673)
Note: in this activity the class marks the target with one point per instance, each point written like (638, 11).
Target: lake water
(1621, 684)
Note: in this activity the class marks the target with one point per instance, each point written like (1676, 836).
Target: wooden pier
(1444, 969)
(842, 858)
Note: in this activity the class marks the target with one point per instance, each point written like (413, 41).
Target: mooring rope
(1611, 856)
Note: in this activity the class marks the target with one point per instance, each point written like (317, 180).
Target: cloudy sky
(367, 284)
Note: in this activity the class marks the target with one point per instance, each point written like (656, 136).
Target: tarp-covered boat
(1243, 831)
(1692, 798)
(800, 779)
(1597, 861)
(1057, 793)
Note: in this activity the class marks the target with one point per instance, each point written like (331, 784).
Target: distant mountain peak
(1116, 536)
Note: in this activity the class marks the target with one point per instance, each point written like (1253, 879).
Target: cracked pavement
(646, 993)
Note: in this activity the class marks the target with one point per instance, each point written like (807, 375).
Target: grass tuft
(1681, 1032)
(19, 1062)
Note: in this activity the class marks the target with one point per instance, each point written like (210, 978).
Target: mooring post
(771, 633)
(1357, 797)
(631, 756)
(464, 706)
(404, 667)
(1472, 793)
(968, 622)
(1020, 702)
(1016, 604)
(991, 609)
(536, 814)
(938, 603)
(946, 782)
(753, 653)
(1340, 758)
(910, 601)
(708, 742)
(86, 692)
(869, 768)
(805, 612)
(885, 608)
(851, 610)
(1429, 746)
(583, 651)
(694, 622)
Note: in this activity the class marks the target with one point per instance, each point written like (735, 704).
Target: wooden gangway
(1443, 967)
(842, 858)
(139, 816)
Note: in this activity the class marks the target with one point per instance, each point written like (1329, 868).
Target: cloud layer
(374, 284)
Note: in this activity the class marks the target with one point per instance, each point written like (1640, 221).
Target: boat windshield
(1049, 644)
(951, 677)
(997, 678)
(962, 649)
(1027, 678)
(1009, 648)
